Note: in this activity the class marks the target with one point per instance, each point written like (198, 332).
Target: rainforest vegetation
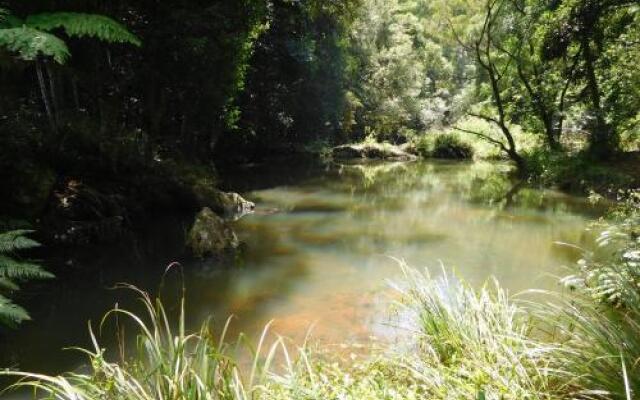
(113, 113)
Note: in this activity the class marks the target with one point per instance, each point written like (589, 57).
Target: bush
(451, 146)
(574, 172)
(444, 145)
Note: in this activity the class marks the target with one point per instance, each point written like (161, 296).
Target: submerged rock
(372, 151)
(210, 235)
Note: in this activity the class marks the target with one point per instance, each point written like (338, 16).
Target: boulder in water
(210, 235)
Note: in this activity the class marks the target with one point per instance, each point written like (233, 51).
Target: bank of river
(317, 252)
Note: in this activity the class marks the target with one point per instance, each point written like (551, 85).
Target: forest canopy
(100, 88)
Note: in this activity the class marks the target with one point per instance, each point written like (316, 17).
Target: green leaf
(11, 314)
(16, 240)
(84, 25)
(14, 269)
(8, 285)
(30, 43)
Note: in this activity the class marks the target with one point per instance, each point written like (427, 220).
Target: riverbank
(573, 171)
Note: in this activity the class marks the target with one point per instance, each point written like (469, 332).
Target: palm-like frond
(84, 25)
(11, 314)
(16, 240)
(7, 285)
(13, 271)
(29, 43)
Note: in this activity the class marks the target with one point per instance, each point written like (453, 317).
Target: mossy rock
(210, 235)
(231, 204)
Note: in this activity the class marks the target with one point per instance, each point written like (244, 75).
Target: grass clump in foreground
(463, 344)
(467, 345)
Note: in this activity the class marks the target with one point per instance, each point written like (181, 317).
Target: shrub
(575, 172)
(443, 145)
(451, 146)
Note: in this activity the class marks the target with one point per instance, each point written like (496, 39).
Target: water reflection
(317, 251)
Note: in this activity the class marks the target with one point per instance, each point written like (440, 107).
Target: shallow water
(318, 252)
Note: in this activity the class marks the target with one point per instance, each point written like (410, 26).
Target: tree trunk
(45, 98)
(54, 97)
(603, 143)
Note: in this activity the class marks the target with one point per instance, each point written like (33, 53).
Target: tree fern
(84, 25)
(30, 38)
(13, 271)
(30, 43)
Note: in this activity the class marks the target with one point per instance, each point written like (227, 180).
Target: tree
(405, 71)
(31, 40)
(543, 85)
(482, 41)
(597, 30)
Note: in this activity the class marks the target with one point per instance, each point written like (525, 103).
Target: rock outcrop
(371, 151)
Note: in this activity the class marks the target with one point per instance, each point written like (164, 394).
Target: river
(318, 252)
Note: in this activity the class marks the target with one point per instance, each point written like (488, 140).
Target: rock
(210, 235)
(233, 205)
(372, 151)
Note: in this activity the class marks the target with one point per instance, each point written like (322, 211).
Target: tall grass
(167, 364)
(467, 344)
(476, 343)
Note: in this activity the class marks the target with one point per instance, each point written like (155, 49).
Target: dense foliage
(90, 89)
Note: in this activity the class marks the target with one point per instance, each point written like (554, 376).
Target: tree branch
(485, 137)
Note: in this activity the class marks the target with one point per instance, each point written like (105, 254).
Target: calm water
(317, 252)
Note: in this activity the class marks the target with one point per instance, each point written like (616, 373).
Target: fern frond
(84, 25)
(29, 43)
(11, 314)
(6, 285)
(20, 270)
(16, 240)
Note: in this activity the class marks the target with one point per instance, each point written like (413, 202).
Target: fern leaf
(84, 25)
(16, 240)
(11, 314)
(13, 269)
(29, 43)
(6, 285)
